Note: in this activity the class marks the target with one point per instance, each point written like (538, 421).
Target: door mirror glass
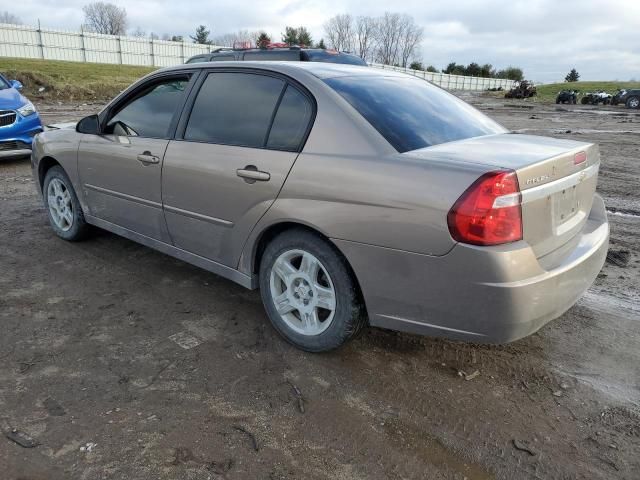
(16, 84)
(89, 125)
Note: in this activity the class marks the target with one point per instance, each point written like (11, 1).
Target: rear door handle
(146, 158)
(251, 174)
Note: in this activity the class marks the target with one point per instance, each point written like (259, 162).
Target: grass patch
(70, 81)
(548, 92)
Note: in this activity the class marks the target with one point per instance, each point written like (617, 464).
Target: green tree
(454, 69)
(177, 38)
(321, 44)
(297, 36)
(572, 76)
(416, 66)
(487, 71)
(432, 69)
(473, 69)
(263, 40)
(201, 36)
(304, 37)
(511, 73)
(290, 36)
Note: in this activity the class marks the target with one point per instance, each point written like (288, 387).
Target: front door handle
(251, 174)
(146, 158)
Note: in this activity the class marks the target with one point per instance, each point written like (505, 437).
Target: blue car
(19, 120)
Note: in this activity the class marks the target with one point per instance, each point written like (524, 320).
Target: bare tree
(366, 36)
(138, 33)
(107, 18)
(6, 17)
(410, 38)
(241, 36)
(390, 29)
(340, 32)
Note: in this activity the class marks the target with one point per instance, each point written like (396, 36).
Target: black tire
(558, 101)
(633, 102)
(573, 100)
(79, 228)
(584, 100)
(349, 317)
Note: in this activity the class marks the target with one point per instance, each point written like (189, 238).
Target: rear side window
(150, 112)
(291, 121)
(234, 109)
(198, 59)
(273, 55)
(223, 58)
(329, 56)
(412, 113)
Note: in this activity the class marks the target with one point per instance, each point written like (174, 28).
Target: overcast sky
(600, 38)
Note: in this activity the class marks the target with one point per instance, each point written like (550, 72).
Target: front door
(121, 169)
(235, 151)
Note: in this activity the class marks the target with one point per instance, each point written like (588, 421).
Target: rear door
(120, 169)
(235, 145)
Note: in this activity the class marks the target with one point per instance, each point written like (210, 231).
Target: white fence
(33, 42)
(452, 82)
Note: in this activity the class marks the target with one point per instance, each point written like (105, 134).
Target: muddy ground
(122, 363)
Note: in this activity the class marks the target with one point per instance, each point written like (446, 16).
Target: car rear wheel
(633, 102)
(63, 207)
(309, 293)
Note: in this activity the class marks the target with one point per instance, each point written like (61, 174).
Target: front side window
(150, 113)
(411, 113)
(234, 109)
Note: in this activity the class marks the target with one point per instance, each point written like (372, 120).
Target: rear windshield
(412, 113)
(332, 57)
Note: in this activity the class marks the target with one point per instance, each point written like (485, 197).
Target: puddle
(623, 213)
(606, 364)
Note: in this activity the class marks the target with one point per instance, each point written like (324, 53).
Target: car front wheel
(63, 207)
(309, 293)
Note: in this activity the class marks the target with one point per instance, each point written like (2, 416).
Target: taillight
(488, 212)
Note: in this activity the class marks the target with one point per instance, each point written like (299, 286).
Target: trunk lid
(557, 192)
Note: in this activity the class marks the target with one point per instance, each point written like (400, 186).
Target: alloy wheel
(60, 204)
(302, 292)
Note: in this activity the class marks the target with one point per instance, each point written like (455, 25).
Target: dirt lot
(122, 363)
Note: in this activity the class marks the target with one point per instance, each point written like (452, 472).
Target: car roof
(322, 70)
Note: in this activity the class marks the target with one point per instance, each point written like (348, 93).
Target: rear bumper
(481, 294)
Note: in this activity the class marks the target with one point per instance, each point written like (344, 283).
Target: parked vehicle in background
(619, 97)
(595, 98)
(631, 98)
(522, 89)
(348, 195)
(278, 52)
(567, 96)
(19, 120)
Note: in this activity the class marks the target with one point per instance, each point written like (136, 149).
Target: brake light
(489, 211)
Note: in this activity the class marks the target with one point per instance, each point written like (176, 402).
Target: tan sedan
(349, 196)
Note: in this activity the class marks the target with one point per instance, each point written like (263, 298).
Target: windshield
(411, 113)
(4, 84)
(332, 57)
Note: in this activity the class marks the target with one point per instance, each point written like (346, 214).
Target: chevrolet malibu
(349, 196)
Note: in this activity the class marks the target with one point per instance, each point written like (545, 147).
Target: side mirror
(89, 125)
(16, 84)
